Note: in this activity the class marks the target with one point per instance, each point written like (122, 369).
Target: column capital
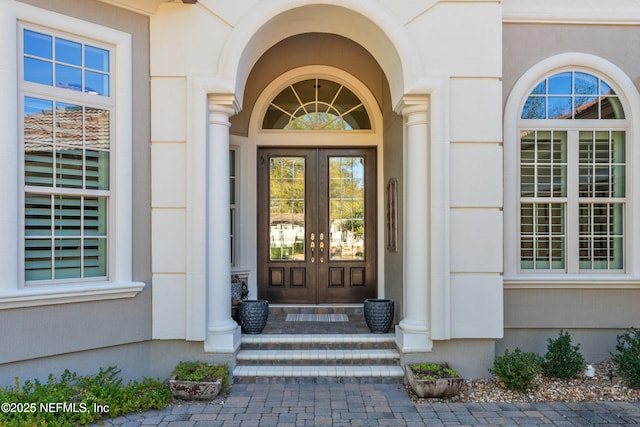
(413, 104)
(220, 104)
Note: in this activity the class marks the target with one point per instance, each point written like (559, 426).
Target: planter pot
(378, 313)
(195, 390)
(439, 387)
(253, 315)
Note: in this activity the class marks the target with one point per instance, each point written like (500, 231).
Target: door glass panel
(346, 208)
(287, 208)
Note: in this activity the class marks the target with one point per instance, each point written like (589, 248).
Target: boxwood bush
(627, 357)
(562, 360)
(516, 370)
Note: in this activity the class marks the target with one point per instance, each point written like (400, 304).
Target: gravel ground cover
(604, 386)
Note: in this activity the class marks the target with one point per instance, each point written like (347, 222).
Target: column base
(223, 338)
(413, 341)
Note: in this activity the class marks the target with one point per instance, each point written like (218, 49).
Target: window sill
(65, 294)
(563, 281)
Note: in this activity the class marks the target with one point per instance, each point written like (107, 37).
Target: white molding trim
(65, 294)
(374, 27)
(572, 282)
(589, 12)
(630, 98)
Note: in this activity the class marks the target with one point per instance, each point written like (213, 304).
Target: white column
(413, 333)
(9, 195)
(223, 333)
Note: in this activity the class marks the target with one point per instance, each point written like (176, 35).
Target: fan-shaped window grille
(316, 104)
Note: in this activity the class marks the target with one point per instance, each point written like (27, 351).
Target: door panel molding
(327, 260)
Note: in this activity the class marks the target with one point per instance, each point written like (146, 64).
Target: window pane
(38, 259)
(585, 84)
(586, 107)
(96, 83)
(67, 216)
(535, 108)
(287, 208)
(38, 44)
(68, 77)
(95, 257)
(346, 208)
(560, 107)
(37, 214)
(68, 52)
(611, 108)
(38, 71)
(67, 258)
(560, 84)
(69, 123)
(38, 141)
(95, 216)
(96, 58)
(97, 128)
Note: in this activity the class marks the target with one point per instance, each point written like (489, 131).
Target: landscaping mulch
(606, 385)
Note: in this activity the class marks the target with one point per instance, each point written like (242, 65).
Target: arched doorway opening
(314, 150)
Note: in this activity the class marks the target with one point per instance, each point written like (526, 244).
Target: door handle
(312, 245)
(321, 252)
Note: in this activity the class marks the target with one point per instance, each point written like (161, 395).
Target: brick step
(319, 357)
(317, 374)
(353, 309)
(318, 341)
(275, 358)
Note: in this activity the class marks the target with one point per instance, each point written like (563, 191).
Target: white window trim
(631, 102)
(13, 293)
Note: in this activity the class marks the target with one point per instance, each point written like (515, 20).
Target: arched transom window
(316, 104)
(572, 95)
(573, 176)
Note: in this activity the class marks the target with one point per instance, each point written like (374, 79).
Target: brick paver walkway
(289, 405)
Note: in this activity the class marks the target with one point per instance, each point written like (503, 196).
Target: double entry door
(317, 225)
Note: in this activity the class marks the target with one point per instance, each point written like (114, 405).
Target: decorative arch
(374, 28)
(629, 100)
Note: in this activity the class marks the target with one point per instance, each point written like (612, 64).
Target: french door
(317, 225)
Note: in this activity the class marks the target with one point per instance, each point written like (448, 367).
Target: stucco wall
(31, 333)
(593, 316)
(527, 44)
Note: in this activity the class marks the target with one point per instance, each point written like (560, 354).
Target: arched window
(316, 104)
(573, 173)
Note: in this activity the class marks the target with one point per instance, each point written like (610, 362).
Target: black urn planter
(253, 315)
(378, 313)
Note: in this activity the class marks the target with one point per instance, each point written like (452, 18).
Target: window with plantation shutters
(66, 121)
(573, 176)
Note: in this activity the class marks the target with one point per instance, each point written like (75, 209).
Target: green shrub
(202, 371)
(432, 371)
(627, 358)
(78, 400)
(562, 360)
(516, 370)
